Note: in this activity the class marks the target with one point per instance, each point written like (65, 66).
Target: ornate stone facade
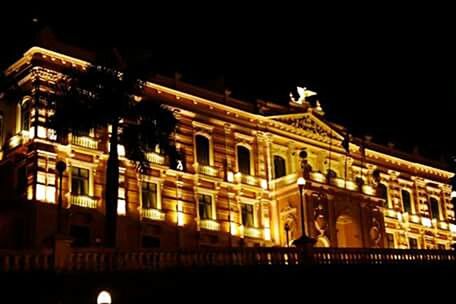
(352, 198)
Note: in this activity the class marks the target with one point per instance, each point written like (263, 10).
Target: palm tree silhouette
(104, 96)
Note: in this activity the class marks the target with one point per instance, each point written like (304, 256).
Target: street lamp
(304, 240)
(104, 297)
(60, 167)
(287, 229)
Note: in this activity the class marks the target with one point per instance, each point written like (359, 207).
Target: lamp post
(303, 240)
(60, 167)
(287, 229)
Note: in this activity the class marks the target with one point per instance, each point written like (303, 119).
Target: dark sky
(387, 71)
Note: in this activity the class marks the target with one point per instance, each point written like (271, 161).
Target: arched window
(434, 208)
(406, 201)
(243, 159)
(280, 168)
(202, 150)
(382, 192)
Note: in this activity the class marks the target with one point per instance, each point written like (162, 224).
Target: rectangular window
(45, 179)
(205, 206)
(149, 195)
(79, 181)
(25, 117)
(413, 243)
(390, 240)
(247, 215)
(121, 196)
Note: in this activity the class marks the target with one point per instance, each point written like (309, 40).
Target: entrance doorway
(348, 232)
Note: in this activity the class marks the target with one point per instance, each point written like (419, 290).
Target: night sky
(389, 72)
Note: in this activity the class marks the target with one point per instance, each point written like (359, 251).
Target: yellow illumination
(253, 232)
(41, 132)
(180, 214)
(121, 207)
(84, 201)
(153, 214)
(230, 176)
(453, 228)
(40, 192)
(426, 222)
(29, 192)
(318, 177)
(267, 234)
(415, 218)
(210, 225)
(368, 189)
(264, 184)
(234, 229)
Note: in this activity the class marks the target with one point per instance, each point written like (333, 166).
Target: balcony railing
(84, 141)
(209, 225)
(153, 214)
(84, 201)
(207, 170)
(100, 260)
(249, 180)
(155, 158)
(253, 232)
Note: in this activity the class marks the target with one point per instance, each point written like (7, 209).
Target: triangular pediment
(309, 123)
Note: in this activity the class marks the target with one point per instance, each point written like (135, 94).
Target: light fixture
(264, 184)
(230, 176)
(104, 297)
(453, 194)
(301, 181)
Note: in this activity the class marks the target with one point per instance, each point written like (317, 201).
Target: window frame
(211, 148)
(274, 166)
(251, 162)
(412, 206)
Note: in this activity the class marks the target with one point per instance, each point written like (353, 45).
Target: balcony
(155, 158)
(85, 142)
(153, 214)
(253, 232)
(18, 139)
(207, 170)
(84, 201)
(209, 225)
(249, 180)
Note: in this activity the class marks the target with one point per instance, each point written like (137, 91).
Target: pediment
(309, 123)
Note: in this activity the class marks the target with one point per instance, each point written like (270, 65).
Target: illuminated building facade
(234, 184)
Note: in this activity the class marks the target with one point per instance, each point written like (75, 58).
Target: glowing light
(153, 214)
(453, 228)
(426, 222)
(84, 141)
(368, 189)
(318, 177)
(301, 181)
(230, 176)
(30, 192)
(155, 158)
(210, 225)
(267, 234)
(41, 132)
(453, 194)
(104, 297)
(45, 193)
(180, 214)
(264, 184)
(84, 201)
(121, 207)
(252, 232)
